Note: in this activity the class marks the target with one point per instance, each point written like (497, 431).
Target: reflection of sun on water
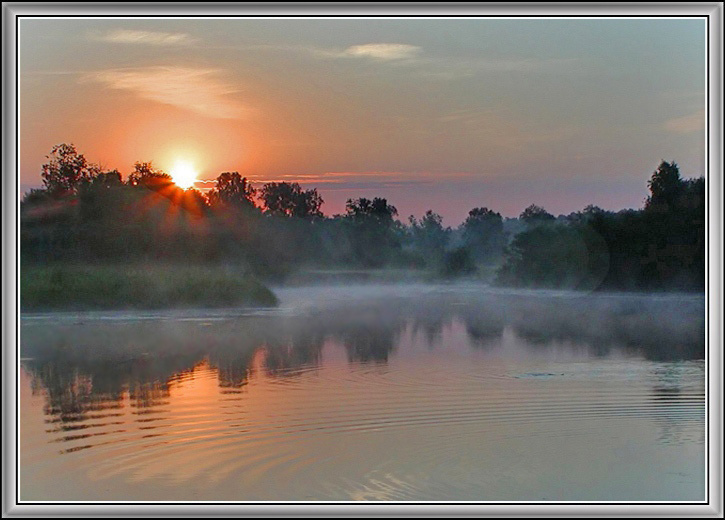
(183, 174)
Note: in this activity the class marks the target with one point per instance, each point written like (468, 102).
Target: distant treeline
(88, 215)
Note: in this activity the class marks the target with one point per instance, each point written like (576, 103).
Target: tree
(100, 196)
(588, 214)
(561, 255)
(675, 217)
(232, 190)
(483, 232)
(363, 209)
(66, 170)
(666, 187)
(458, 262)
(535, 215)
(107, 179)
(144, 174)
(373, 231)
(290, 200)
(429, 237)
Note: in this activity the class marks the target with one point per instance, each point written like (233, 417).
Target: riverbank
(342, 276)
(89, 287)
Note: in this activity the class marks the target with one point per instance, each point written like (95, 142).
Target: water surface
(396, 393)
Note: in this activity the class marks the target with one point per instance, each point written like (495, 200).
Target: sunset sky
(441, 114)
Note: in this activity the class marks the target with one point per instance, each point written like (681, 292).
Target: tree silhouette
(373, 230)
(85, 214)
(666, 186)
(536, 214)
(66, 169)
(363, 209)
(483, 232)
(429, 237)
(144, 174)
(290, 200)
(232, 190)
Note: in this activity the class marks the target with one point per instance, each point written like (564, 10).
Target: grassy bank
(87, 287)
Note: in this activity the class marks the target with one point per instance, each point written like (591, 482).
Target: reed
(87, 287)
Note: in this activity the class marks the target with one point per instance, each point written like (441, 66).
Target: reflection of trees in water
(70, 395)
(148, 395)
(431, 327)
(234, 367)
(80, 384)
(88, 366)
(300, 350)
(368, 333)
(679, 408)
(483, 326)
(665, 329)
(365, 345)
(288, 343)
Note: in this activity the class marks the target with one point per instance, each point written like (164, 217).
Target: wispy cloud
(414, 59)
(198, 90)
(383, 51)
(145, 37)
(346, 180)
(687, 124)
(443, 67)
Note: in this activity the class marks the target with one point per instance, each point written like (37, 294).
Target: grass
(88, 287)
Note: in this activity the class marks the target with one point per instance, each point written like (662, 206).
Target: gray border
(10, 318)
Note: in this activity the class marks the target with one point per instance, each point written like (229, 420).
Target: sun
(183, 174)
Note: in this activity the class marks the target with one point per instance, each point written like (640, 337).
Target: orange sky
(432, 114)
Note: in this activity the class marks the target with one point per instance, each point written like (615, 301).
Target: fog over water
(370, 392)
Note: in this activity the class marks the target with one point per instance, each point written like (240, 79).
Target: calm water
(370, 393)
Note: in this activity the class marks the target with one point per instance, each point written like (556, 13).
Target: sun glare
(183, 174)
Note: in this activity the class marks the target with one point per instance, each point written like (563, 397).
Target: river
(370, 393)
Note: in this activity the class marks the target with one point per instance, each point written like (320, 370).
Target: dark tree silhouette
(483, 233)
(458, 262)
(674, 217)
(144, 174)
(232, 190)
(429, 236)
(109, 178)
(659, 247)
(666, 187)
(535, 214)
(66, 169)
(290, 200)
(363, 209)
(85, 214)
(373, 231)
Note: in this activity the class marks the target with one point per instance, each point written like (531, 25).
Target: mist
(366, 322)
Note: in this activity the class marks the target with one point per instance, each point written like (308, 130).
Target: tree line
(84, 213)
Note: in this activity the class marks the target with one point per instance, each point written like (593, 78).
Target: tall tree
(66, 169)
(666, 187)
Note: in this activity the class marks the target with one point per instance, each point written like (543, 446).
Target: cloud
(434, 67)
(146, 37)
(197, 90)
(687, 124)
(383, 51)
(375, 179)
